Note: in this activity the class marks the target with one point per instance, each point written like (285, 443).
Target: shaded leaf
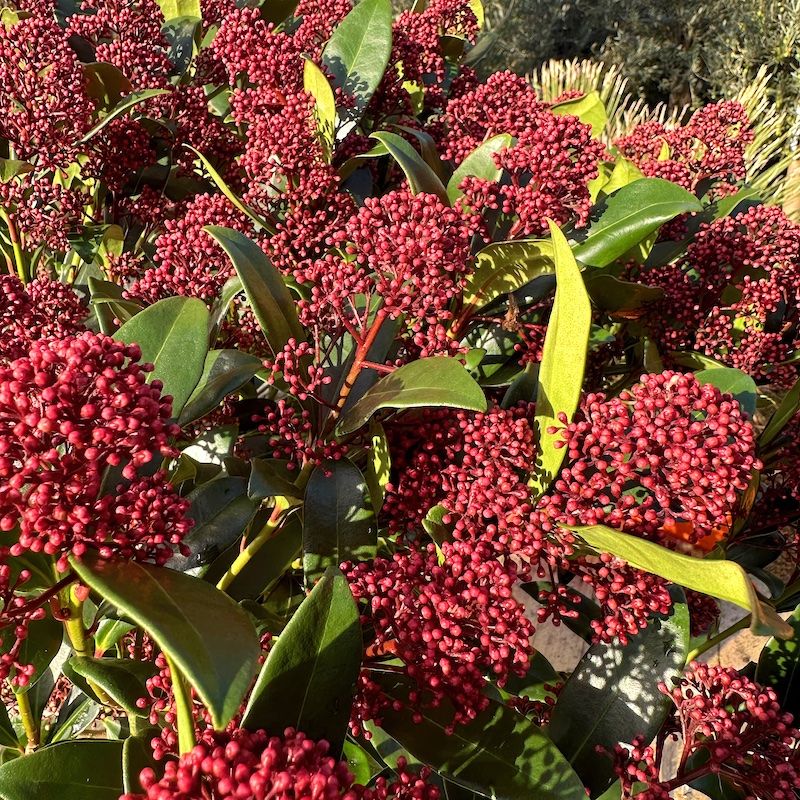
(173, 336)
(785, 411)
(206, 634)
(630, 215)
(428, 382)
(74, 717)
(122, 679)
(613, 695)
(479, 163)
(724, 580)
(267, 481)
(338, 519)
(106, 83)
(612, 294)
(421, 178)
(309, 678)
(80, 770)
(779, 667)
(136, 756)
(39, 648)
(8, 737)
(563, 359)
(735, 382)
(125, 105)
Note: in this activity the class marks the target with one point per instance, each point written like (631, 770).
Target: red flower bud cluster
(262, 767)
(737, 723)
(450, 623)
(69, 409)
(709, 147)
(42, 308)
(668, 450)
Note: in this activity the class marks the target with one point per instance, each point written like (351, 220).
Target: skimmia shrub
(330, 374)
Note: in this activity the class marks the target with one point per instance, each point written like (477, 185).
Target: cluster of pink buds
(262, 767)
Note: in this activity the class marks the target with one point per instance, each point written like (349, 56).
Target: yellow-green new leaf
(318, 86)
(624, 172)
(563, 359)
(589, 109)
(725, 580)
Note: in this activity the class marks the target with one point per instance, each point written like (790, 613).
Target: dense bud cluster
(736, 722)
(68, 409)
(258, 766)
(451, 620)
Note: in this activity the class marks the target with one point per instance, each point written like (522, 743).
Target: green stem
(743, 623)
(28, 722)
(183, 706)
(19, 255)
(275, 520)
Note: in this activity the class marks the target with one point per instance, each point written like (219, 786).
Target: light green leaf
(428, 382)
(480, 163)
(171, 9)
(589, 109)
(317, 85)
(624, 172)
(563, 359)
(734, 382)
(379, 465)
(125, 105)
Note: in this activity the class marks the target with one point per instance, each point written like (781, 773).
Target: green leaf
(136, 755)
(317, 85)
(173, 336)
(338, 519)
(779, 667)
(428, 382)
(171, 9)
(107, 83)
(589, 109)
(421, 178)
(379, 465)
(267, 481)
(8, 737)
(208, 636)
(39, 648)
(266, 292)
(125, 105)
(74, 717)
(504, 267)
(724, 580)
(309, 678)
(613, 695)
(624, 172)
(500, 754)
(81, 770)
(612, 294)
(563, 359)
(785, 411)
(224, 371)
(109, 632)
(122, 679)
(10, 168)
(734, 382)
(630, 215)
(357, 55)
(363, 766)
(479, 163)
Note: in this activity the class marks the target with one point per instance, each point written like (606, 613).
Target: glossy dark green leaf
(532, 684)
(266, 480)
(309, 678)
(479, 163)
(722, 579)
(589, 109)
(785, 411)
(122, 679)
(224, 371)
(612, 294)
(338, 519)
(205, 633)
(735, 382)
(630, 215)
(266, 292)
(278, 10)
(356, 56)
(136, 756)
(779, 667)
(523, 387)
(109, 632)
(87, 769)
(427, 382)
(8, 736)
(613, 695)
(39, 647)
(421, 178)
(500, 754)
(563, 359)
(173, 336)
(504, 267)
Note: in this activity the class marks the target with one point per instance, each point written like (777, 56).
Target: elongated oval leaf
(724, 580)
(173, 336)
(173, 9)
(630, 215)
(421, 178)
(263, 284)
(128, 102)
(38, 648)
(480, 163)
(779, 667)
(8, 737)
(589, 109)
(500, 754)
(309, 678)
(427, 382)
(80, 770)
(785, 411)
(122, 679)
(563, 358)
(734, 382)
(338, 519)
(357, 55)
(208, 636)
(317, 85)
(224, 371)
(504, 267)
(624, 172)
(613, 695)
(612, 294)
